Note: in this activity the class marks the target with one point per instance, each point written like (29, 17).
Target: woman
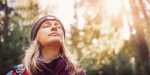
(47, 54)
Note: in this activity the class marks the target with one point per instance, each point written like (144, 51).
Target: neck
(50, 53)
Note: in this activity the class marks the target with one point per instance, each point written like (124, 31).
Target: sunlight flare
(126, 30)
(113, 6)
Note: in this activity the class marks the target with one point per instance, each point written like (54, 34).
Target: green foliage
(14, 46)
(12, 50)
(18, 38)
(111, 54)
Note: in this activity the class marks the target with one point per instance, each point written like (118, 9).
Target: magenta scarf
(56, 67)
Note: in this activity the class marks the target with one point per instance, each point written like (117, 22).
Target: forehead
(50, 21)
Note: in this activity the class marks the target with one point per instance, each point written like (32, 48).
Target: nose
(54, 28)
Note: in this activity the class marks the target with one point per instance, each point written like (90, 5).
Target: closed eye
(46, 25)
(57, 25)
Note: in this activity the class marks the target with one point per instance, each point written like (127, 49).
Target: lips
(55, 34)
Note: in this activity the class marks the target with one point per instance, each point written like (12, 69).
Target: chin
(54, 41)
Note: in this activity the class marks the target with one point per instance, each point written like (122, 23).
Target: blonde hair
(33, 52)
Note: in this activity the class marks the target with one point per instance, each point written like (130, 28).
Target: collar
(39, 59)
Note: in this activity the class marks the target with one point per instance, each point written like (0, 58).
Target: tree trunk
(6, 20)
(143, 10)
(142, 58)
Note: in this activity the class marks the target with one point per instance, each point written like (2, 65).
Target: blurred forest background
(109, 37)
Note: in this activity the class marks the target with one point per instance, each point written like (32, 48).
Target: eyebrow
(47, 22)
(57, 23)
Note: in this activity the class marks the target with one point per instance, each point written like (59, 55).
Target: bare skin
(50, 36)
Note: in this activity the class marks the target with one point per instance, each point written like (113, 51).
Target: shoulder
(10, 73)
(81, 73)
(17, 70)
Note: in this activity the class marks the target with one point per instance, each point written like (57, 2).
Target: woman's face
(50, 32)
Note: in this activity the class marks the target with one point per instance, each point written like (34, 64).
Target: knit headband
(40, 21)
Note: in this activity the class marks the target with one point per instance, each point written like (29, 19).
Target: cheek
(62, 36)
(38, 36)
(41, 36)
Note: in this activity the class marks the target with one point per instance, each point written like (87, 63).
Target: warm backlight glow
(113, 6)
(133, 60)
(126, 30)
